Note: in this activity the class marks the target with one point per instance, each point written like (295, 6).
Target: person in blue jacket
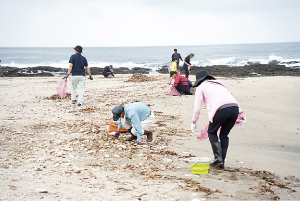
(136, 116)
(186, 64)
(77, 63)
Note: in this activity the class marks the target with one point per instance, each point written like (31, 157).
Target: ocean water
(154, 57)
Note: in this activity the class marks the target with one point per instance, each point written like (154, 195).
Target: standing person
(222, 109)
(107, 70)
(138, 116)
(187, 64)
(176, 56)
(77, 63)
(181, 83)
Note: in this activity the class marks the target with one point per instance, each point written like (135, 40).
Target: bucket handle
(193, 165)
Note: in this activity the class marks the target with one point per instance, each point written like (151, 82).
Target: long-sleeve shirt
(135, 113)
(180, 79)
(187, 60)
(213, 94)
(177, 56)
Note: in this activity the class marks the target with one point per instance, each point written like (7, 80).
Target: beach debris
(138, 77)
(57, 96)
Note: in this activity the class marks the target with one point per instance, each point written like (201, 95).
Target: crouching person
(136, 117)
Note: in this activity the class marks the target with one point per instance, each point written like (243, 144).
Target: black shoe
(73, 101)
(149, 135)
(216, 147)
(79, 104)
(132, 137)
(188, 93)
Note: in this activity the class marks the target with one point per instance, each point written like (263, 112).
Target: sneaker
(73, 101)
(79, 104)
(137, 143)
(132, 137)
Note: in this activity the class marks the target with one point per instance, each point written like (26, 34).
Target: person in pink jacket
(222, 109)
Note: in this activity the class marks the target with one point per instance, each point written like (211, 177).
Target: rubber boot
(149, 135)
(216, 147)
(224, 152)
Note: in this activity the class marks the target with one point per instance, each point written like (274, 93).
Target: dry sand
(53, 150)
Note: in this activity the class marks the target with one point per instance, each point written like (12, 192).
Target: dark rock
(250, 70)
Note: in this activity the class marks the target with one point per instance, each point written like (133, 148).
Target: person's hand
(66, 76)
(243, 121)
(117, 134)
(193, 127)
(91, 78)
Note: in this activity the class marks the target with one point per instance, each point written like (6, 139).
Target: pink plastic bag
(109, 75)
(173, 91)
(169, 69)
(61, 88)
(204, 134)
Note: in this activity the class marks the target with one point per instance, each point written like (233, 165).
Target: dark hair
(172, 73)
(175, 50)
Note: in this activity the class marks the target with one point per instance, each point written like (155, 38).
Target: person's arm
(136, 123)
(88, 70)
(119, 124)
(70, 68)
(197, 105)
(177, 80)
(180, 57)
(171, 80)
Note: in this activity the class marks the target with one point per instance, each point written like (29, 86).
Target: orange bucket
(114, 127)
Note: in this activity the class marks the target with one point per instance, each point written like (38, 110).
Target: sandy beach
(53, 150)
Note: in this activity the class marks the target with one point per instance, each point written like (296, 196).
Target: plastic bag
(204, 134)
(169, 69)
(61, 88)
(173, 91)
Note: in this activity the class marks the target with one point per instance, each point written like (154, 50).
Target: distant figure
(176, 56)
(107, 71)
(77, 63)
(187, 64)
(181, 83)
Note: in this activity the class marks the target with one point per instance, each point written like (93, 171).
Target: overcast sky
(95, 23)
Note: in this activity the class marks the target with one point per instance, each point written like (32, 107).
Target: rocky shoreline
(250, 70)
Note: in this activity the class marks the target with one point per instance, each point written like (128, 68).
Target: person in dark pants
(181, 83)
(186, 64)
(107, 70)
(177, 56)
(222, 109)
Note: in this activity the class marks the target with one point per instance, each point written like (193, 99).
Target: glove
(91, 78)
(66, 76)
(137, 143)
(193, 127)
(243, 121)
(117, 134)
